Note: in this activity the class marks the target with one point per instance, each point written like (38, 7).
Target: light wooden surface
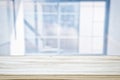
(60, 77)
(60, 67)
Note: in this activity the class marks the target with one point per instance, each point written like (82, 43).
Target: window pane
(68, 25)
(99, 13)
(92, 15)
(86, 19)
(67, 8)
(100, 4)
(30, 20)
(69, 32)
(49, 19)
(69, 20)
(85, 45)
(48, 46)
(98, 29)
(49, 7)
(51, 30)
(51, 43)
(98, 45)
(86, 4)
(69, 46)
(30, 46)
(30, 33)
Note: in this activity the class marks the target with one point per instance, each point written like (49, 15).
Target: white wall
(114, 28)
(4, 29)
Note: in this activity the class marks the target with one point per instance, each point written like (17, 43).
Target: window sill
(59, 65)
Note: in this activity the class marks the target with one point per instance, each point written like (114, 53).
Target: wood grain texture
(60, 67)
(59, 77)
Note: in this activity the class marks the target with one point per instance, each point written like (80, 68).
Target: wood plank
(60, 67)
(59, 77)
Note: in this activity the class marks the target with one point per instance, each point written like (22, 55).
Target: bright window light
(64, 27)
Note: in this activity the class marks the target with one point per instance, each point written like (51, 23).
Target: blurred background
(59, 27)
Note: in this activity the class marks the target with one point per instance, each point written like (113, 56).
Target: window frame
(105, 30)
